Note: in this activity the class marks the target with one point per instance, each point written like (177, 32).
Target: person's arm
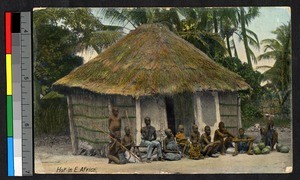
(153, 137)
(229, 134)
(250, 138)
(165, 146)
(219, 133)
(205, 140)
(131, 140)
(109, 122)
(144, 134)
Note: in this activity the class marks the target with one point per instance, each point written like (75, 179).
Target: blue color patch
(10, 156)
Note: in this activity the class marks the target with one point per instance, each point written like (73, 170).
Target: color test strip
(26, 81)
(8, 49)
(16, 78)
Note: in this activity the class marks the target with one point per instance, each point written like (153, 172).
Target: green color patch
(9, 114)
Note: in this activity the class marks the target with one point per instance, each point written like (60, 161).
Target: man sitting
(208, 148)
(224, 136)
(243, 143)
(149, 139)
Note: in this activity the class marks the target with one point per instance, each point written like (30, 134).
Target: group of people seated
(174, 148)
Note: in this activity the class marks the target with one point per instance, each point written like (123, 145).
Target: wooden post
(198, 110)
(138, 120)
(73, 131)
(218, 115)
(239, 123)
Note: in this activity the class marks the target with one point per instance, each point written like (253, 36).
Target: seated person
(195, 150)
(115, 150)
(182, 142)
(243, 143)
(195, 134)
(269, 135)
(127, 140)
(224, 136)
(208, 148)
(149, 139)
(170, 148)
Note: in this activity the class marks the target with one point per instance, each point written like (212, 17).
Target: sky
(269, 19)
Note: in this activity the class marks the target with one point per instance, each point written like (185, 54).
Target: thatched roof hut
(152, 60)
(149, 62)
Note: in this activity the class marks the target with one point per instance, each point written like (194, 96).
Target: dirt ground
(54, 155)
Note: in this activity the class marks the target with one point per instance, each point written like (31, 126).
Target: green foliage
(54, 51)
(52, 116)
(279, 76)
(250, 100)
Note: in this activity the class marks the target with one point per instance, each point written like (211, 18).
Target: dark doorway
(170, 113)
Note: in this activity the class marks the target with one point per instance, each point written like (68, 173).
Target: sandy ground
(56, 157)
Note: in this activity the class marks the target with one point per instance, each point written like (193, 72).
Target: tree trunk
(235, 51)
(244, 35)
(215, 21)
(228, 45)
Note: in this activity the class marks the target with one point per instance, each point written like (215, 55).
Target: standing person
(208, 148)
(270, 135)
(182, 142)
(224, 136)
(149, 139)
(170, 148)
(243, 143)
(114, 122)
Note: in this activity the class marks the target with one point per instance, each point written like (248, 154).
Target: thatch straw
(151, 60)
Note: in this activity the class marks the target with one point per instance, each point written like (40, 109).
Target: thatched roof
(151, 60)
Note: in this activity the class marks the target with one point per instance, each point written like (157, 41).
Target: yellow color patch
(8, 74)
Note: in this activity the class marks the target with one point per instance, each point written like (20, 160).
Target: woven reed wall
(126, 104)
(229, 110)
(184, 111)
(90, 114)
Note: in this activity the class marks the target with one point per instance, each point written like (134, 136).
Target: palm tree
(279, 49)
(245, 16)
(192, 24)
(91, 33)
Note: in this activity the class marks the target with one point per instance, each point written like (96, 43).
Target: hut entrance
(170, 113)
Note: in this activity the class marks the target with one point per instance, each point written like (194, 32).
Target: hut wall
(207, 110)
(90, 115)
(184, 111)
(230, 111)
(155, 108)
